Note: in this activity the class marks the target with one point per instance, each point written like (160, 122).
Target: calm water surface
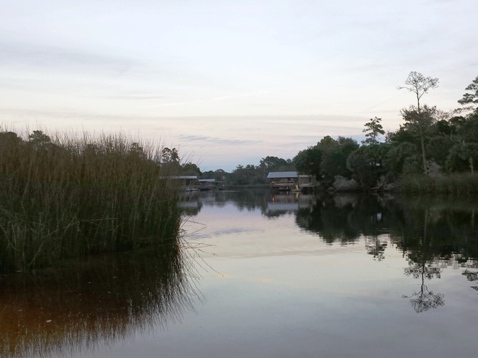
(262, 275)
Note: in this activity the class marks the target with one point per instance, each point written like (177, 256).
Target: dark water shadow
(81, 305)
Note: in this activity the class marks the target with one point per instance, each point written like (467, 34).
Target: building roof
(185, 177)
(279, 175)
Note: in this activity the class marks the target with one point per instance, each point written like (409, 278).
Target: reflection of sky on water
(269, 288)
(309, 306)
(276, 290)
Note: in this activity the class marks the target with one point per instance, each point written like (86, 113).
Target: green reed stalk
(65, 197)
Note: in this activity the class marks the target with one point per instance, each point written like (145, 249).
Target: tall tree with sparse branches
(419, 85)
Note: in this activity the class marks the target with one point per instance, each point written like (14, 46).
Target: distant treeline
(432, 150)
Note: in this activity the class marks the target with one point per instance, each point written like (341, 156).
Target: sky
(228, 82)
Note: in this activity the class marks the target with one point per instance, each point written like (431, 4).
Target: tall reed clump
(453, 184)
(65, 197)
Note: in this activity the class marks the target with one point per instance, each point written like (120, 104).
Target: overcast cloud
(229, 82)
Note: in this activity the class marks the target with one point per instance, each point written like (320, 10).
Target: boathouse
(207, 184)
(291, 181)
(188, 182)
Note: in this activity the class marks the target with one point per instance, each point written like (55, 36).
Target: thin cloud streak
(216, 141)
(212, 99)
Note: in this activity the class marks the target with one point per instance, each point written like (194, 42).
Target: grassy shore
(456, 184)
(64, 197)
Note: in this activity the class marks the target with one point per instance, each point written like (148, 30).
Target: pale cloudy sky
(228, 82)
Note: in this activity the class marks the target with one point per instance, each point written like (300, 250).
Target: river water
(264, 275)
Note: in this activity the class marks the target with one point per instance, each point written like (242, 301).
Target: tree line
(430, 142)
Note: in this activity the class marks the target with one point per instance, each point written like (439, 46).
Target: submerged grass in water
(64, 197)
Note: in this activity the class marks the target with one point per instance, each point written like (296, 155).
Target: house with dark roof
(188, 182)
(207, 184)
(291, 181)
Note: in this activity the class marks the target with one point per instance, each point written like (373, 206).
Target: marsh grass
(453, 184)
(64, 197)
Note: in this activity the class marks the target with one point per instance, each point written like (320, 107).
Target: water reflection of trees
(433, 233)
(376, 246)
(424, 299)
(345, 218)
(471, 272)
(423, 257)
(450, 223)
(424, 264)
(249, 200)
(446, 227)
(80, 305)
(439, 234)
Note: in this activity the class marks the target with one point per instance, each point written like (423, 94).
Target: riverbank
(447, 184)
(457, 184)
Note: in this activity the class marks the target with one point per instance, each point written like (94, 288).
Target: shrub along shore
(454, 184)
(63, 197)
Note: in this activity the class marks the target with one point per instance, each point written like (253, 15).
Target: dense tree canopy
(429, 142)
